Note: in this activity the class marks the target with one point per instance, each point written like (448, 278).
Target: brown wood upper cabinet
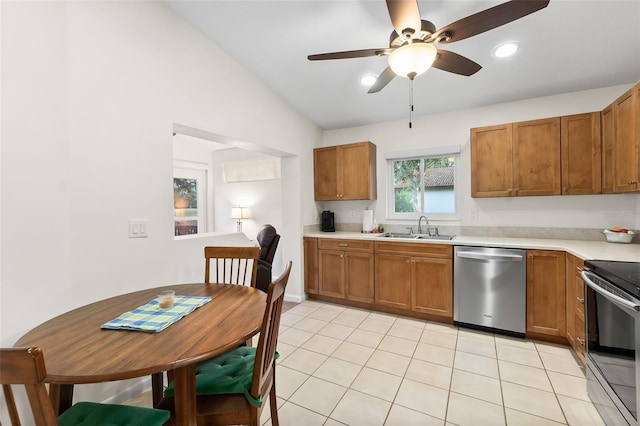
(621, 143)
(345, 172)
(552, 156)
(581, 154)
(536, 157)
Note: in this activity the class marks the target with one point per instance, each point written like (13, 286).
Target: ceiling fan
(412, 47)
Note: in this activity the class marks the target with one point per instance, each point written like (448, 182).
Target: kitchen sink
(392, 235)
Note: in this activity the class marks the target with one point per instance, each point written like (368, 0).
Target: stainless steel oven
(612, 321)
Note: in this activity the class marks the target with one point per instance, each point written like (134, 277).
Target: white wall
(90, 93)
(453, 128)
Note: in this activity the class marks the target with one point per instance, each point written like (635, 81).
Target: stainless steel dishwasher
(490, 289)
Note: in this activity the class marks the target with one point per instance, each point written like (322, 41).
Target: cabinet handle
(408, 261)
(581, 341)
(565, 189)
(342, 255)
(631, 182)
(343, 245)
(580, 268)
(580, 299)
(509, 191)
(516, 190)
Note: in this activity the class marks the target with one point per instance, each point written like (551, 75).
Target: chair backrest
(25, 366)
(268, 239)
(233, 265)
(266, 348)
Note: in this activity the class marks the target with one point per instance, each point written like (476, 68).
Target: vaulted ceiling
(571, 45)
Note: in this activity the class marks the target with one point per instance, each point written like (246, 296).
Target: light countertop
(600, 250)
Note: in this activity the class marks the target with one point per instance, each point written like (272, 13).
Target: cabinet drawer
(579, 344)
(580, 298)
(444, 251)
(335, 244)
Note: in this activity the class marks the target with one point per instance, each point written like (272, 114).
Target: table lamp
(239, 213)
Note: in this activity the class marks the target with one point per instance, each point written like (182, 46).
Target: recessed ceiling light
(504, 50)
(368, 79)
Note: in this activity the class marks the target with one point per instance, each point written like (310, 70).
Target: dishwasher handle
(478, 255)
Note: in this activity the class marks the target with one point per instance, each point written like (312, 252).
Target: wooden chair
(232, 387)
(233, 265)
(26, 366)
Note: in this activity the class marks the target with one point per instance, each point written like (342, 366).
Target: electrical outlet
(352, 214)
(473, 215)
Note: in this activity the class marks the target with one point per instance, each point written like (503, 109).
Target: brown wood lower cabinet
(415, 277)
(345, 269)
(310, 265)
(546, 298)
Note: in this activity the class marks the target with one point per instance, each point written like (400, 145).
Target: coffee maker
(328, 224)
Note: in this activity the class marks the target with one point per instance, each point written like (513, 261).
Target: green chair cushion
(93, 414)
(230, 372)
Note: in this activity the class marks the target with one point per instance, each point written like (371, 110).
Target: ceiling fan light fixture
(504, 50)
(412, 59)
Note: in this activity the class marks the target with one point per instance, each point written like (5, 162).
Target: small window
(189, 201)
(423, 185)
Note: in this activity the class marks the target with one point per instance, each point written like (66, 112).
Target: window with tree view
(423, 186)
(185, 206)
(189, 201)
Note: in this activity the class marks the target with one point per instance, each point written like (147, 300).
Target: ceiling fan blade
(404, 14)
(383, 79)
(351, 54)
(488, 19)
(458, 64)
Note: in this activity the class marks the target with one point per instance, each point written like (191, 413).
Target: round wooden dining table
(77, 350)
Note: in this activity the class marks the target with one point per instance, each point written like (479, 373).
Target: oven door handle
(613, 297)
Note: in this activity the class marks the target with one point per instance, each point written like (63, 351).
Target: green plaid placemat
(150, 317)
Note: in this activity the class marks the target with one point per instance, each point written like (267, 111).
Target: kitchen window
(422, 182)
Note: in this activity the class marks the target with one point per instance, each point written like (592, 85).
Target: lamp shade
(239, 213)
(412, 59)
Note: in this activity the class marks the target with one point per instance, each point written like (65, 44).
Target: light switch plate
(138, 228)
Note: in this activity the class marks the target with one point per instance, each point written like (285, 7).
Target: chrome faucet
(420, 224)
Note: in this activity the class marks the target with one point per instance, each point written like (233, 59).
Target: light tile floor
(345, 366)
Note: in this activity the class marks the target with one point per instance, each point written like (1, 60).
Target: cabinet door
(536, 157)
(627, 141)
(331, 273)
(608, 141)
(432, 286)
(325, 173)
(546, 303)
(491, 161)
(310, 265)
(393, 281)
(359, 276)
(355, 165)
(581, 154)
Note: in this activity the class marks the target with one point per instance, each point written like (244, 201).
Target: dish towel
(150, 317)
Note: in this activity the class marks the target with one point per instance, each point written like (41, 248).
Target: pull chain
(410, 101)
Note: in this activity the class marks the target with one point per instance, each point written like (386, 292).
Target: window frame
(422, 155)
(200, 172)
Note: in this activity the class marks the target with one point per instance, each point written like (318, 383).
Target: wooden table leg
(61, 397)
(184, 382)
